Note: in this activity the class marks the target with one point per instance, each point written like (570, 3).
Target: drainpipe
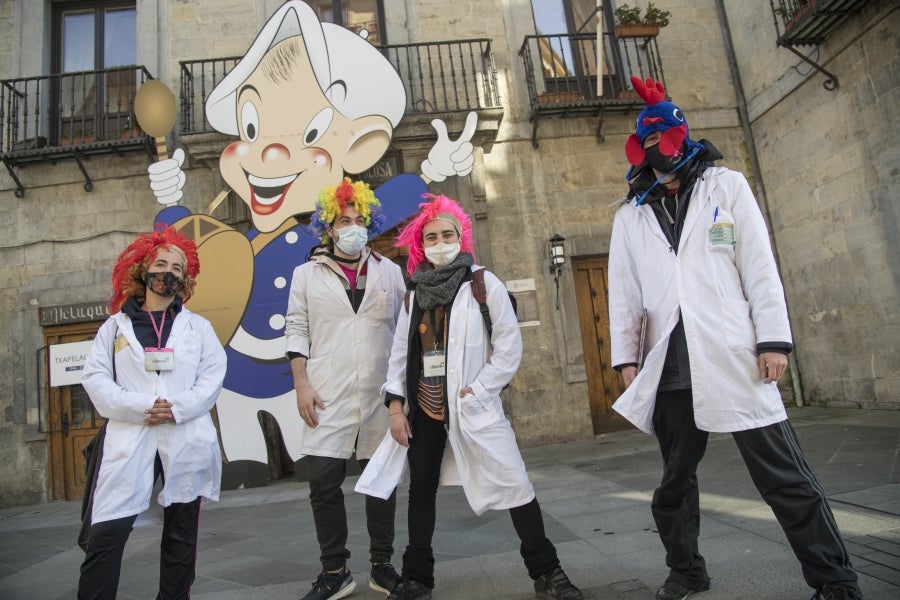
(754, 166)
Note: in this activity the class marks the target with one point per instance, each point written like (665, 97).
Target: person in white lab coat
(690, 265)
(340, 321)
(443, 385)
(154, 371)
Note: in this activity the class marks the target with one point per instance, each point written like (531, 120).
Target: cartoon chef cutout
(309, 101)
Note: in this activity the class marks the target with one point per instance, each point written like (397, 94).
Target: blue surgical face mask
(351, 239)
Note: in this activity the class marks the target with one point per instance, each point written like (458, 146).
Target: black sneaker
(331, 586)
(555, 585)
(407, 589)
(675, 591)
(383, 577)
(837, 592)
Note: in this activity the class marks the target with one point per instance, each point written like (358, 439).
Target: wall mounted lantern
(557, 260)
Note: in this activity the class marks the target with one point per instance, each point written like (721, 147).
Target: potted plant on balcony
(630, 23)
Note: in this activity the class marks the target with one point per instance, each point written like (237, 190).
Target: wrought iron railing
(561, 70)
(439, 77)
(198, 79)
(563, 78)
(56, 113)
(809, 22)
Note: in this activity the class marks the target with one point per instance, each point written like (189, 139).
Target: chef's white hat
(371, 86)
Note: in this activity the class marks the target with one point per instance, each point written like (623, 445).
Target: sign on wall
(73, 313)
(67, 362)
(525, 293)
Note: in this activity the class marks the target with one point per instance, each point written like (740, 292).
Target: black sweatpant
(326, 474)
(177, 560)
(779, 471)
(426, 450)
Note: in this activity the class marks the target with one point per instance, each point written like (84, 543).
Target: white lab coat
(482, 454)
(347, 351)
(189, 449)
(730, 298)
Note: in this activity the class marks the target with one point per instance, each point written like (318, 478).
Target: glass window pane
(549, 17)
(585, 14)
(78, 41)
(82, 409)
(324, 9)
(362, 14)
(120, 43)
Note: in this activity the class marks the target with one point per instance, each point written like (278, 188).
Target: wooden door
(71, 420)
(604, 383)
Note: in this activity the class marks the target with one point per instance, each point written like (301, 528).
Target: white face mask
(351, 239)
(441, 255)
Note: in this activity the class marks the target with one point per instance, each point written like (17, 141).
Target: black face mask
(661, 162)
(164, 283)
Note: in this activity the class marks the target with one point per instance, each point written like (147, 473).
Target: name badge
(721, 234)
(435, 363)
(159, 359)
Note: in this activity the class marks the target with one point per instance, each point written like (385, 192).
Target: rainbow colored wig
(411, 235)
(131, 267)
(334, 199)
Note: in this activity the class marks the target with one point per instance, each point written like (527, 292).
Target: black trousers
(426, 449)
(779, 471)
(326, 474)
(177, 560)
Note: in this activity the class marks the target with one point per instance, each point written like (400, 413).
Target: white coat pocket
(477, 414)
(187, 351)
(738, 326)
(321, 378)
(720, 236)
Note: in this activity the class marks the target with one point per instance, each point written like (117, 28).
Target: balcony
(442, 79)
(562, 77)
(69, 115)
(809, 23)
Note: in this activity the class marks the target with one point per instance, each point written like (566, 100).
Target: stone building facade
(824, 164)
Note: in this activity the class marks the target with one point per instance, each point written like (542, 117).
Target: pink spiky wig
(131, 266)
(411, 234)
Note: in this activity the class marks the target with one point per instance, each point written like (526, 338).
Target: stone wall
(830, 165)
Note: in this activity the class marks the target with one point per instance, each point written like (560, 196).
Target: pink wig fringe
(411, 234)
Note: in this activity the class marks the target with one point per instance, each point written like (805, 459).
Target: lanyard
(438, 330)
(158, 330)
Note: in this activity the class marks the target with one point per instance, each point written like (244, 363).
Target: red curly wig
(131, 266)
(411, 235)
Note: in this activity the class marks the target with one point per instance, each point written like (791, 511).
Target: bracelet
(399, 412)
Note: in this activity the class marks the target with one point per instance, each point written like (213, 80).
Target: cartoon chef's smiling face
(293, 141)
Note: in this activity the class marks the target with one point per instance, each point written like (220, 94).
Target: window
(93, 96)
(355, 15)
(567, 41)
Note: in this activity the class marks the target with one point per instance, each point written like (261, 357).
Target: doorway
(71, 419)
(604, 383)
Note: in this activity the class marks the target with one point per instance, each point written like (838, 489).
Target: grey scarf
(437, 286)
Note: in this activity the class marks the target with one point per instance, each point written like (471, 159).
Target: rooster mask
(659, 115)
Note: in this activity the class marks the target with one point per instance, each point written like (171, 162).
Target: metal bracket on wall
(88, 184)
(20, 189)
(831, 83)
(600, 137)
(534, 127)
